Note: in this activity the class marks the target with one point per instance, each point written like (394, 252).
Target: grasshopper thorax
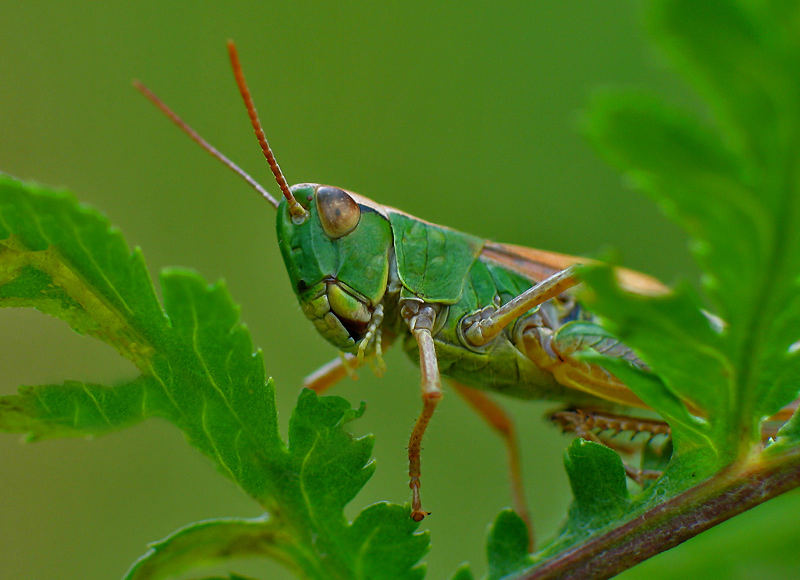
(337, 260)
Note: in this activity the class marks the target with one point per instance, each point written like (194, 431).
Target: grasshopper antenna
(150, 95)
(299, 214)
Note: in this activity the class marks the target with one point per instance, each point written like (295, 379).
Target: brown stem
(732, 491)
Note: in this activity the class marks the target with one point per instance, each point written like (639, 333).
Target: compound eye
(338, 212)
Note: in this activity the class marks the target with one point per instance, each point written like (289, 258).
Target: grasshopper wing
(540, 264)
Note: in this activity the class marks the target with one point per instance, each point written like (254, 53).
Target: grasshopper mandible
(488, 316)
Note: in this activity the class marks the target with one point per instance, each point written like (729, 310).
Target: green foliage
(731, 182)
(722, 360)
(598, 483)
(733, 186)
(507, 545)
(199, 371)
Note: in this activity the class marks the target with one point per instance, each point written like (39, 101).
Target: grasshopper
(488, 316)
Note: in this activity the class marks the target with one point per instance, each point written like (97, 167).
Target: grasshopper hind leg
(553, 351)
(620, 433)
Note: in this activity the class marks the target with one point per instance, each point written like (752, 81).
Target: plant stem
(739, 487)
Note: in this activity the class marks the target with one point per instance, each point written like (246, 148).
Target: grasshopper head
(337, 260)
(336, 245)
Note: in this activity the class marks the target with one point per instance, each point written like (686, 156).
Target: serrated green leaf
(66, 260)
(199, 371)
(331, 465)
(308, 531)
(659, 328)
(735, 191)
(736, 54)
(197, 361)
(732, 183)
(383, 538)
(216, 385)
(697, 182)
(76, 409)
(749, 250)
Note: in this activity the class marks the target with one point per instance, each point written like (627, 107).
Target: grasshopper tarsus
(417, 513)
(603, 427)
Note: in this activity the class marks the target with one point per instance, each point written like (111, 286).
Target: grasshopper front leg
(420, 318)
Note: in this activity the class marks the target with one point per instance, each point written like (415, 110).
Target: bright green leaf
(76, 409)
(507, 545)
(672, 335)
(211, 542)
(199, 371)
(66, 260)
(597, 478)
(463, 572)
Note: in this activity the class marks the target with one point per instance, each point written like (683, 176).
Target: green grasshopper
(488, 316)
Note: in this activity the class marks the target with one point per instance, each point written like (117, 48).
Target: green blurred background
(465, 114)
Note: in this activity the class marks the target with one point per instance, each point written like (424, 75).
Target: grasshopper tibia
(588, 422)
(603, 427)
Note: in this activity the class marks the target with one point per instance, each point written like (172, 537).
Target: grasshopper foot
(417, 513)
